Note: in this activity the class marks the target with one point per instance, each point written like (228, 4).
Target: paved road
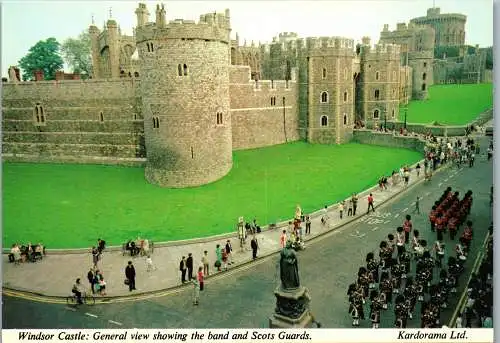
(245, 298)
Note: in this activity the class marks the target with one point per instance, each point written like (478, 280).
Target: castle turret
(185, 100)
(331, 90)
(160, 16)
(142, 14)
(112, 55)
(95, 51)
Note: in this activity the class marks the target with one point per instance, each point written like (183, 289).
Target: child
(149, 264)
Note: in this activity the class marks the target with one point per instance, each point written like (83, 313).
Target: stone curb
(214, 238)
(242, 264)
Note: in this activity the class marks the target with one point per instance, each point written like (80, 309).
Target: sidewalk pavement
(56, 273)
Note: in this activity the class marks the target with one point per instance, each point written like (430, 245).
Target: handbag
(127, 281)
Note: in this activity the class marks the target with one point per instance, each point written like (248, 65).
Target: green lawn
(451, 104)
(71, 206)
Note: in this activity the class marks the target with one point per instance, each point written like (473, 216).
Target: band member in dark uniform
(375, 308)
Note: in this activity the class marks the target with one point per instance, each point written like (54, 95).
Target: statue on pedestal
(289, 269)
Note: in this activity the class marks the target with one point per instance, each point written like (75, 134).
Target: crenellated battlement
(340, 43)
(211, 26)
(415, 55)
(377, 51)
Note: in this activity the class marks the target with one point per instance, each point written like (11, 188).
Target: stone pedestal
(292, 309)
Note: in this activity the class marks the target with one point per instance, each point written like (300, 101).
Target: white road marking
(451, 176)
(375, 228)
(396, 215)
(446, 180)
(387, 222)
(90, 315)
(440, 184)
(358, 236)
(116, 323)
(71, 309)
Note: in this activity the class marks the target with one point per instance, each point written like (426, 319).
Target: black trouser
(400, 249)
(254, 253)
(407, 237)
(78, 295)
(354, 207)
(92, 285)
(341, 212)
(439, 234)
(183, 275)
(131, 284)
(308, 228)
(190, 273)
(453, 233)
(370, 205)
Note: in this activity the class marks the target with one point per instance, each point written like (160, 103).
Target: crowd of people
(409, 270)
(26, 253)
(478, 311)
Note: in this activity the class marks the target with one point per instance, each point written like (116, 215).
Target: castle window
(377, 94)
(101, 117)
(129, 74)
(219, 118)
(135, 116)
(324, 97)
(376, 114)
(152, 47)
(377, 75)
(425, 64)
(424, 76)
(272, 84)
(136, 74)
(273, 101)
(423, 86)
(393, 113)
(192, 152)
(179, 70)
(345, 96)
(185, 67)
(156, 123)
(324, 73)
(324, 121)
(345, 119)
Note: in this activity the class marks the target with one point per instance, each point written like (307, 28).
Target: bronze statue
(289, 269)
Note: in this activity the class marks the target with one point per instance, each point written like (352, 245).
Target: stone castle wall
(388, 140)
(263, 113)
(95, 120)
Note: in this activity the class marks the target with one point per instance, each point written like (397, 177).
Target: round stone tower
(185, 98)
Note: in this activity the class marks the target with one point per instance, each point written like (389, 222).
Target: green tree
(45, 56)
(489, 58)
(77, 53)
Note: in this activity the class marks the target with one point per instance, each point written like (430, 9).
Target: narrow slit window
(101, 117)
(192, 152)
(179, 70)
(324, 121)
(345, 96)
(185, 70)
(376, 114)
(324, 73)
(324, 97)
(345, 119)
(377, 94)
(377, 75)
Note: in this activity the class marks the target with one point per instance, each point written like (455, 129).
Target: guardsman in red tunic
(407, 226)
(432, 218)
(439, 226)
(467, 235)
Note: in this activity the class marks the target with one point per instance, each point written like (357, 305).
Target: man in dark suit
(183, 269)
(91, 277)
(130, 275)
(189, 266)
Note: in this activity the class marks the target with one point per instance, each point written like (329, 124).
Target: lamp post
(406, 113)
(385, 120)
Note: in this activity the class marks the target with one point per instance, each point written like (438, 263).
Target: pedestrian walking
(255, 246)
(189, 266)
(370, 203)
(149, 264)
(283, 239)
(196, 292)
(95, 256)
(183, 269)
(201, 278)
(130, 275)
(229, 250)
(341, 209)
(206, 263)
(91, 277)
(324, 217)
(349, 208)
(354, 200)
(218, 253)
(308, 225)
(417, 169)
(417, 205)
